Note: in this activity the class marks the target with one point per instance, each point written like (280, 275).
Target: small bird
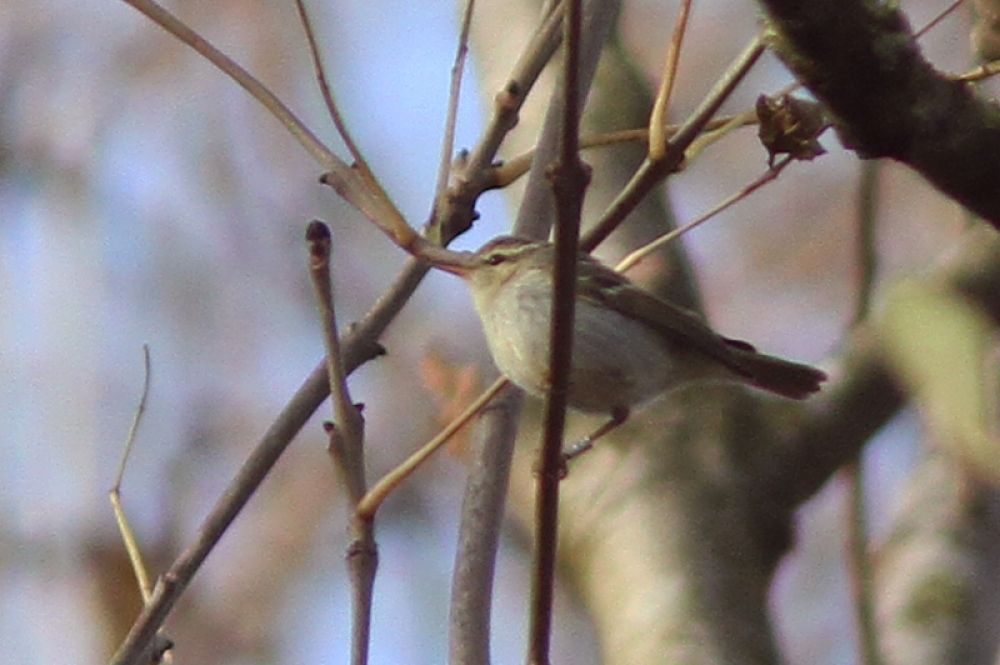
(628, 345)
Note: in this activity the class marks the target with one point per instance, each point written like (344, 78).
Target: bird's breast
(617, 361)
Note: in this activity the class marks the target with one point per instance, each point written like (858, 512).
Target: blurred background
(144, 198)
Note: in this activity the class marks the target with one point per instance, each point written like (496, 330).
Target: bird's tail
(781, 377)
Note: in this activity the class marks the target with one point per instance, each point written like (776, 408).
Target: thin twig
(859, 560)
(346, 447)
(128, 536)
(371, 501)
(981, 72)
(658, 118)
(937, 19)
(347, 419)
(569, 180)
(511, 169)
(454, 91)
(327, 93)
(159, 647)
(652, 172)
(712, 133)
(641, 253)
(508, 101)
(349, 183)
(359, 346)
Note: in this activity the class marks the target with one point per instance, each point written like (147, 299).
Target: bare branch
(569, 179)
(128, 537)
(371, 501)
(888, 100)
(641, 253)
(858, 556)
(346, 447)
(457, 69)
(653, 171)
(658, 118)
(331, 104)
(482, 517)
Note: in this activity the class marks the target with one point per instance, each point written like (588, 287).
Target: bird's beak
(457, 263)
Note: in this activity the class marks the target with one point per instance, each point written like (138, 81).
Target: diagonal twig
(653, 171)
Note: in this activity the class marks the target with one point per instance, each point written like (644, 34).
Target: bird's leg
(618, 416)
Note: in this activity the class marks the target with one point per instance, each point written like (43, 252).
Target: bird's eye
(495, 259)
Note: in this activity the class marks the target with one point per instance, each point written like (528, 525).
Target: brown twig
(128, 536)
(641, 253)
(942, 15)
(371, 501)
(457, 69)
(658, 118)
(512, 169)
(888, 100)
(569, 181)
(360, 163)
(346, 447)
(347, 419)
(349, 183)
(653, 171)
(454, 213)
(858, 557)
(981, 72)
(158, 650)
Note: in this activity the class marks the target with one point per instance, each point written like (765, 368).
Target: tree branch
(862, 60)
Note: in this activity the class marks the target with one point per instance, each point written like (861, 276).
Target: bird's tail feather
(781, 377)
